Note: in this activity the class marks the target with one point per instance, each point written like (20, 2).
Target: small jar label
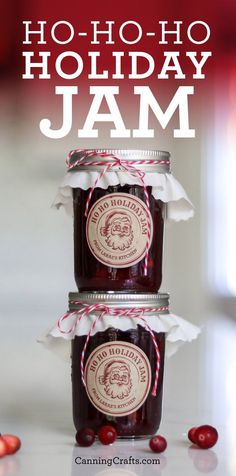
(119, 227)
(118, 378)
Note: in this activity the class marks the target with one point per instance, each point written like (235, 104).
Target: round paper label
(117, 230)
(118, 378)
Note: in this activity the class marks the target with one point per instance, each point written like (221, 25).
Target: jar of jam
(117, 368)
(118, 223)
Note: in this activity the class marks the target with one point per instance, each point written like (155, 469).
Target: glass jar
(118, 245)
(119, 366)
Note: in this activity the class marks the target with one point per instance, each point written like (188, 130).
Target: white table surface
(35, 403)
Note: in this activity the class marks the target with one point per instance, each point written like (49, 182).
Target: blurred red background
(220, 16)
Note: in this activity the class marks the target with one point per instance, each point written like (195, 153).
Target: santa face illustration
(118, 231)
(116, 379)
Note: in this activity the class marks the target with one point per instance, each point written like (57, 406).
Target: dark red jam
(145, 420)
(91, 274)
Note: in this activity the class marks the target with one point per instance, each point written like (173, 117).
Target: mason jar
(117, 370)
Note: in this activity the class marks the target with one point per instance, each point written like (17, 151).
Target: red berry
(158, 444)
(192, 434)
(206, 436)
(3, 447)
(107, 434)
(13, 443)
(85, 437)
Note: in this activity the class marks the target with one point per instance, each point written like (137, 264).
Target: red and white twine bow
(126, 165)
(102, 309)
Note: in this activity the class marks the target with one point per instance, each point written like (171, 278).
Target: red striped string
(135, 312)
(100, 177)
(89, 153)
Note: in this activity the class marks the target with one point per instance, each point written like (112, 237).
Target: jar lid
(120, 300)
(144, 160)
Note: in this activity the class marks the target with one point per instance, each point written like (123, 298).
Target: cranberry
(158, 444)
(192, 434)
(107, 434)
(206, 436)
(3, 447)
(85, 437)
(13, 443)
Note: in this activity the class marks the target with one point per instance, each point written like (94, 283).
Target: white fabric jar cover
(177, 329)
(165, 187)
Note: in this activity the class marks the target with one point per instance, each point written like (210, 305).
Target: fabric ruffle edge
(165, 187)
(177, 330)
